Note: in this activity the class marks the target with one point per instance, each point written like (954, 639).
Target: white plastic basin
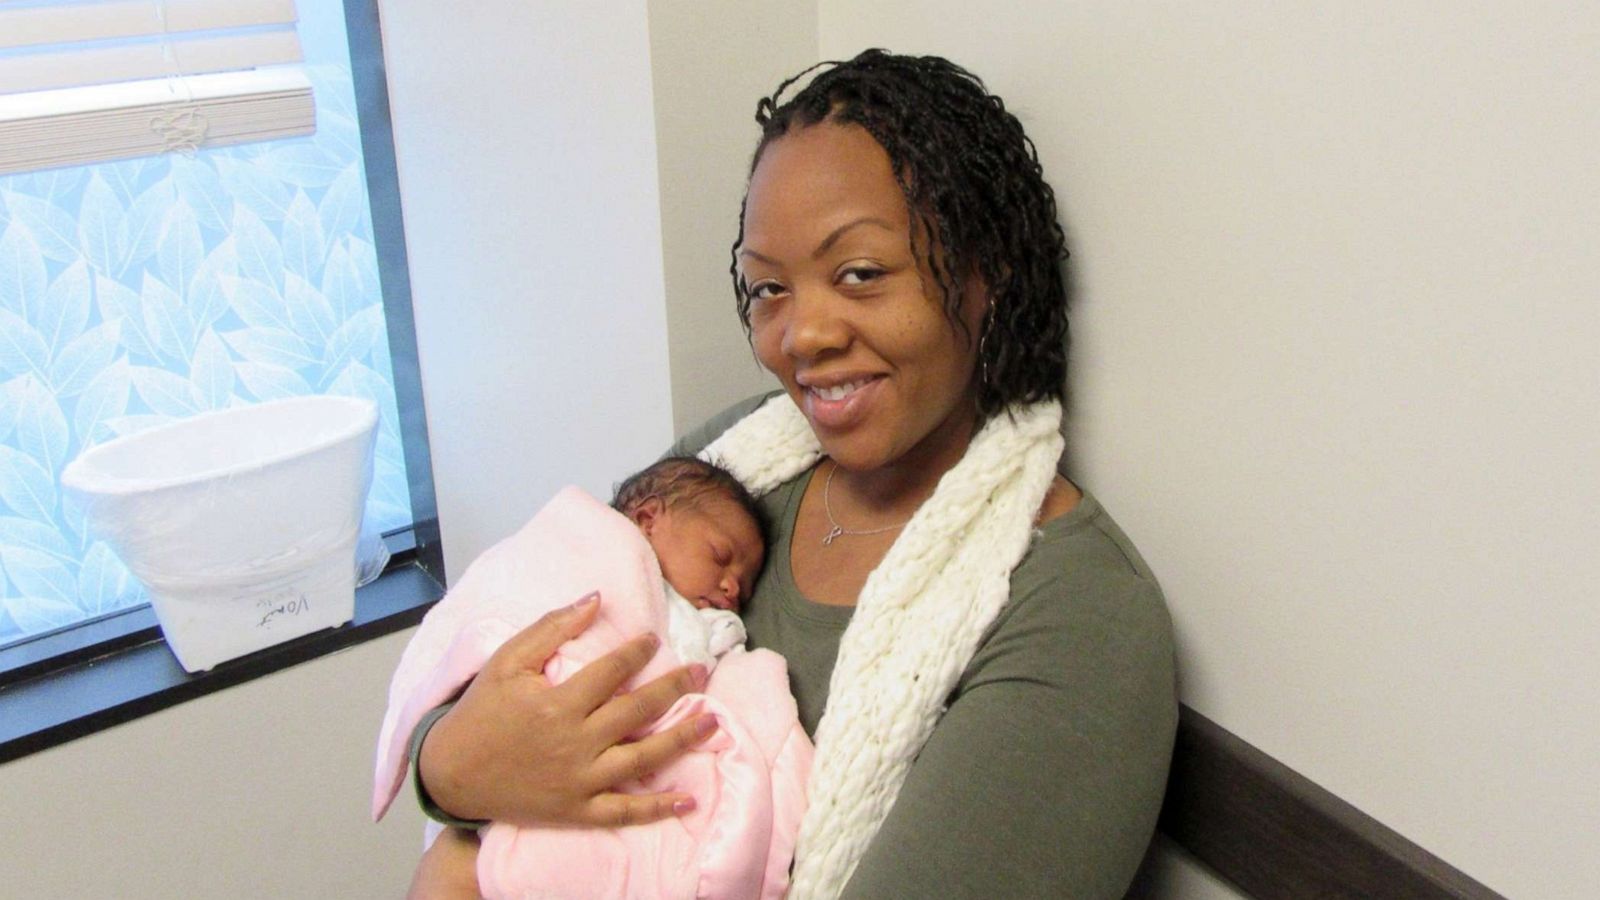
(242, 523)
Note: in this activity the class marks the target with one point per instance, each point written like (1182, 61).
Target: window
(136, 292)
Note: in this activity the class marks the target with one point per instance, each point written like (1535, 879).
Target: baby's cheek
(685, 586)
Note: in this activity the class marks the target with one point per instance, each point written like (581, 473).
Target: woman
(993, 656)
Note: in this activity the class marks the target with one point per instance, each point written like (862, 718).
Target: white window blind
(85, 81)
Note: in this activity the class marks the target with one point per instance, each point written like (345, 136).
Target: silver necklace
(838, 530)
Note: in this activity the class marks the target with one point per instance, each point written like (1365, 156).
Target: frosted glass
(135, 292)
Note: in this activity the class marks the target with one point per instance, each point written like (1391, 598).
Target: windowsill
(89, 695)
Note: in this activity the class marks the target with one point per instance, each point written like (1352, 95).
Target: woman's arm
(516, 749)
(449, 870)
(1045, 777)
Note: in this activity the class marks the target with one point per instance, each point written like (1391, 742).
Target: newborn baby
(705, 530)
(702, 528)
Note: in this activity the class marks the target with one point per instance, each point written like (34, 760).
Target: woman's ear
(646, 513)
(976, 303)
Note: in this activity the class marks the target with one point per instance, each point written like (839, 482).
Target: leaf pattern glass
(137, 292)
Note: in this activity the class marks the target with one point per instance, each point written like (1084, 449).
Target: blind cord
(181, 125)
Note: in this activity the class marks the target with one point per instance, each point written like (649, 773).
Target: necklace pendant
(833, 532)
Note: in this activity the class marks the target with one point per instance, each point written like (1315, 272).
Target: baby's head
(703, 525)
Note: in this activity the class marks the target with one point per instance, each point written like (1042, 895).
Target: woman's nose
(814, 326)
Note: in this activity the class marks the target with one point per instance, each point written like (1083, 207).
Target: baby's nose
(730, 591)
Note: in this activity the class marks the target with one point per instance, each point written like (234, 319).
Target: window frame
(79, 679)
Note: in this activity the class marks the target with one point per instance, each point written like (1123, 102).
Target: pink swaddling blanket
(748, 779)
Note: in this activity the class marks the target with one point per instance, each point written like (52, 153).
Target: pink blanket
(748, 779)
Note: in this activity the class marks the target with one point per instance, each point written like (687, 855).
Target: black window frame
(79, 679)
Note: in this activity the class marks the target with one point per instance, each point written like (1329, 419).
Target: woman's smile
(834, 404)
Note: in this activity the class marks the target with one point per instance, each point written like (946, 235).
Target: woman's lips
(842, 405)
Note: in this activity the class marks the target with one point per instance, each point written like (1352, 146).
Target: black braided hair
(973, 178)
(685, 482)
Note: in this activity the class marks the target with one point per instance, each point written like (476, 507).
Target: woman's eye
(859, 275)
(761, 290)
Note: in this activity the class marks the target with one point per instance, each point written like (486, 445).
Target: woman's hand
(517, 749)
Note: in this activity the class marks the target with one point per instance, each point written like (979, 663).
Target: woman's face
(844, 313)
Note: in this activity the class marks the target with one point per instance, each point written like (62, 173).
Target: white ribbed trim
(918, 618)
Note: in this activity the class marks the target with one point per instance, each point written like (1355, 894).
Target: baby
(704, 531)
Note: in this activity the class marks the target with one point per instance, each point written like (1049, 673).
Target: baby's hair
(972, 176)
(685, 482)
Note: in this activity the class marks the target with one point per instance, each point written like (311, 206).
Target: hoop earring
(983, 345)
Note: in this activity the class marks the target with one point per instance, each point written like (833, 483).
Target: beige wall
(711, 62)
(1334, 371)
(1336, 374)
(261, 790)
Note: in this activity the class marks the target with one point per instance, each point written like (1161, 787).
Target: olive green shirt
(1045, 775)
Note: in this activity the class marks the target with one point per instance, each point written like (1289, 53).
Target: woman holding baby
(983, 659)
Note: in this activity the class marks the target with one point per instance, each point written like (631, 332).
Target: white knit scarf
(917, 620)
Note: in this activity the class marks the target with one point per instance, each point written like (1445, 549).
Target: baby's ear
(646, 513)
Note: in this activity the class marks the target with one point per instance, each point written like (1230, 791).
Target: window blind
(85, 81)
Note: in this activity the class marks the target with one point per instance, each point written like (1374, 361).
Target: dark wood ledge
(1274, 833)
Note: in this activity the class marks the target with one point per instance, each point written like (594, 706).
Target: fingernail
(653, 640)
(705, 725)
(586, 601)
(686, 805)
(698, 675)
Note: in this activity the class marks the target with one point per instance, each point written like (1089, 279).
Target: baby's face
(710, 550)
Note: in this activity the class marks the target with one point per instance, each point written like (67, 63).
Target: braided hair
(972, 178)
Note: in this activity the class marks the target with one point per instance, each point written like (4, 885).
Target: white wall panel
(525, 140)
